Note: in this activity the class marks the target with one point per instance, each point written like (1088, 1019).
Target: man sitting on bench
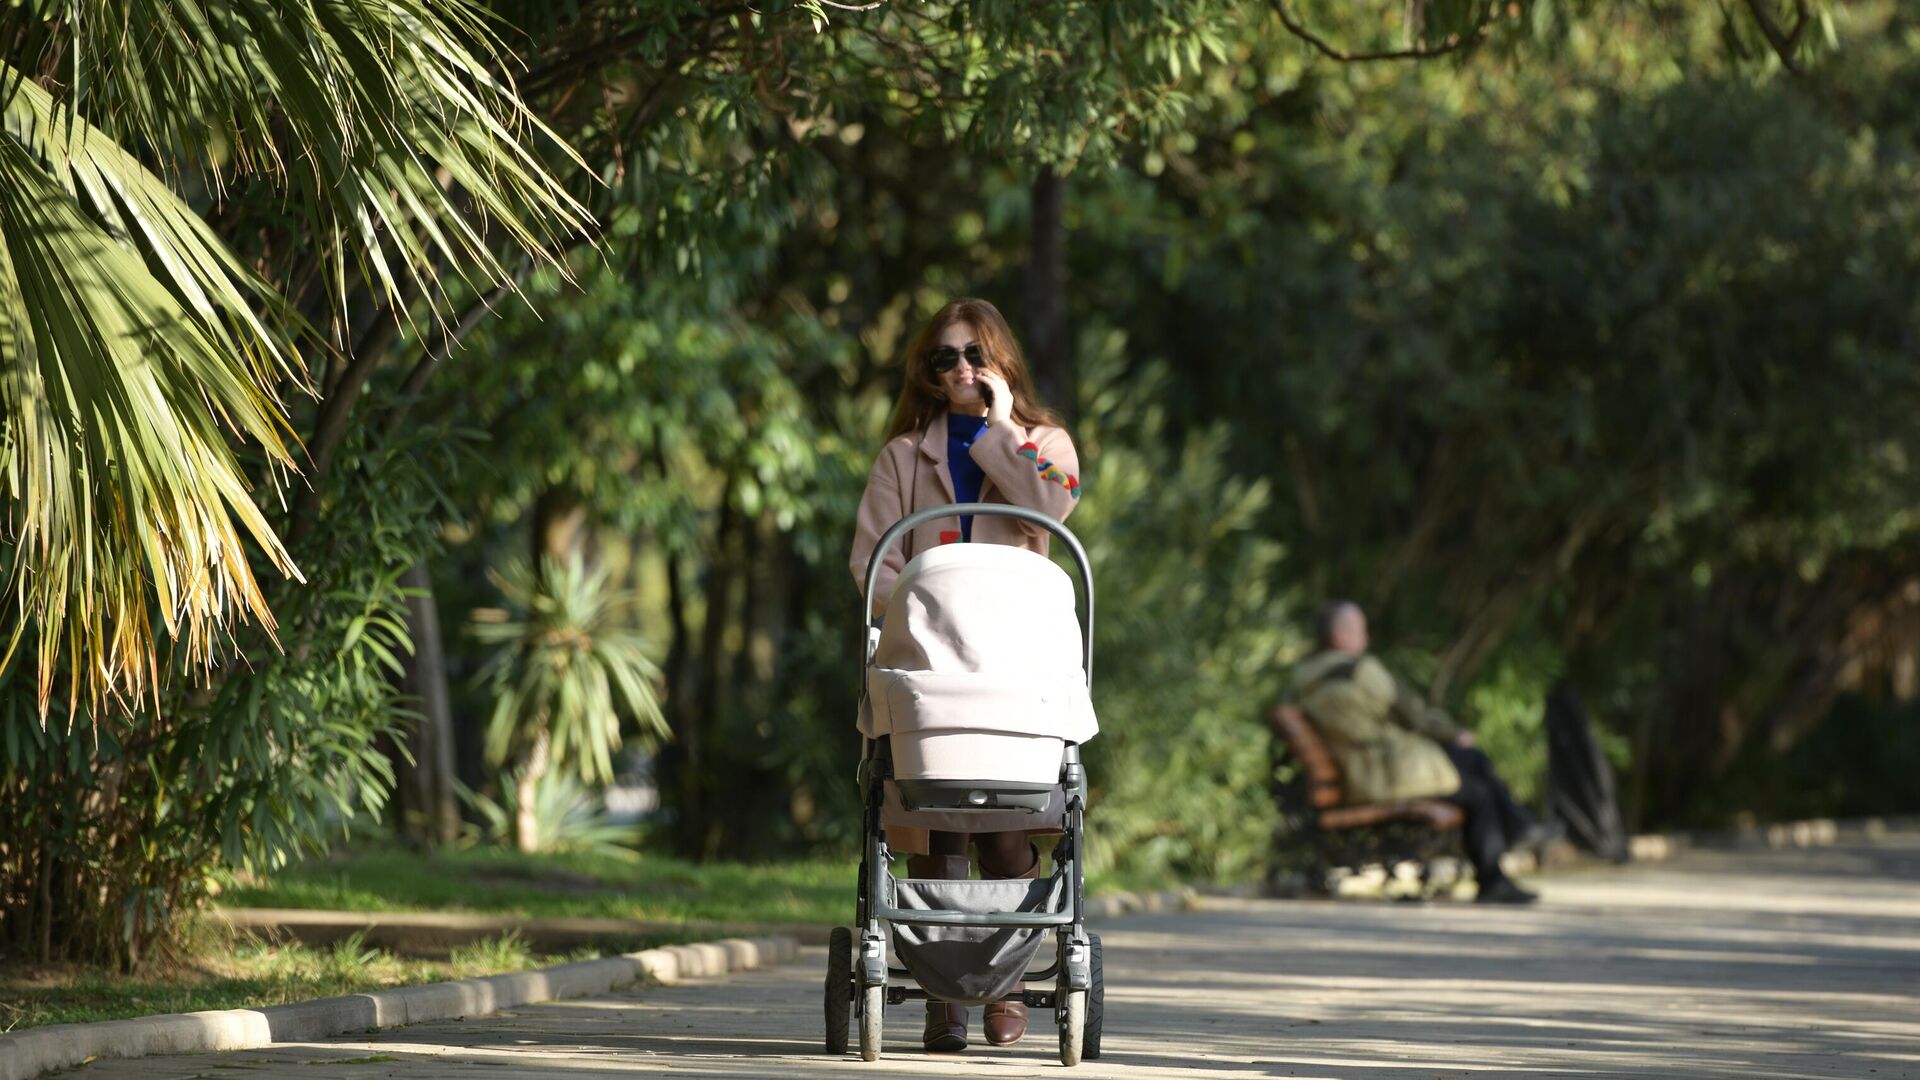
(1392, 746)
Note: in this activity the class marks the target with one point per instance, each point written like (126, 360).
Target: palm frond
(118, 394)
(137, 345)
(396, 124)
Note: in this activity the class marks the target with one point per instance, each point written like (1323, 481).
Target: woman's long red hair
(921, 396)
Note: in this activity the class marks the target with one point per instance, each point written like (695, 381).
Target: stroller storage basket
(970, 964)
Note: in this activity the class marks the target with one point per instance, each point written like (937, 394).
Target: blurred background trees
(1579, 350)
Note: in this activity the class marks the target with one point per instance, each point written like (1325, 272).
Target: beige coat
(1033, 468)
(1385, 738)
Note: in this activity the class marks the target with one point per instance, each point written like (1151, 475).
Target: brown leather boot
(1006, 1020)
(946, 1028)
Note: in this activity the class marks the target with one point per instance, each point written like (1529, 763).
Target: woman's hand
(1000, 404)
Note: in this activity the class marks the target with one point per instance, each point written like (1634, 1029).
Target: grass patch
(647, 886)
(498, 882)
(230, 972)
(218, 970)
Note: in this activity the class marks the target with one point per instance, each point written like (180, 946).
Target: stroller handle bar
(1032, 517)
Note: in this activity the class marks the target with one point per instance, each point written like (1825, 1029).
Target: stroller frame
(858, 978)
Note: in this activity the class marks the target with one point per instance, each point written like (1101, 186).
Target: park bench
(1320, 830)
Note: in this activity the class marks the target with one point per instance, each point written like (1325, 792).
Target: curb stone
(26, 1054)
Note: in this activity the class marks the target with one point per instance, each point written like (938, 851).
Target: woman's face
(962, 381)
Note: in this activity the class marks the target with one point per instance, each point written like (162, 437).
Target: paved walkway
(1774, 964)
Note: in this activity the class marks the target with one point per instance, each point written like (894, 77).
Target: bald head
(1343, 626)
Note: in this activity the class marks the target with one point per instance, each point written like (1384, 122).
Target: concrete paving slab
(1797, 963)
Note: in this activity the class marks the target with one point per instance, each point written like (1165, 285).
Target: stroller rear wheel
(872, 1001)
(1096, 1006)
(838, 990)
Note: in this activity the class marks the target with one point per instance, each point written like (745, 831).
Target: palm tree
(563, 674)
(366, 155)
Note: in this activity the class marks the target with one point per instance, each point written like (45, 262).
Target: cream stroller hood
(983, 638)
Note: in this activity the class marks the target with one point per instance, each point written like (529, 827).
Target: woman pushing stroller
(967, 428)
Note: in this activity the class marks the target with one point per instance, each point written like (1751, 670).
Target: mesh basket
(971, 965)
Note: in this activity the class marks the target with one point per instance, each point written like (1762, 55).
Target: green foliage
(508, 952)
(1187, 631)
(1757, 33)
(1859, 763)
(566, 671)
(590, 884)
(1421, 304)
(130, 353)
(110, 828)
(1505, 708)
(1595, 367)
(568, 819)
(137, 341)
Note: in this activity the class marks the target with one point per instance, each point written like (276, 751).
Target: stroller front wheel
(1073, 1027)
(873, 1001)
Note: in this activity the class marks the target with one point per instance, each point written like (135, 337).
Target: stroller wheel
(1096, 1006)
(872, 1002)
(838, 990)
(1073, 1028)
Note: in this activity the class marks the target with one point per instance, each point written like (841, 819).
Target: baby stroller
(975, 702)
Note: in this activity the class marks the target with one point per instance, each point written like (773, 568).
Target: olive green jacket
(1385, 738)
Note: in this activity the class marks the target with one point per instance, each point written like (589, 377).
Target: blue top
(962, 430)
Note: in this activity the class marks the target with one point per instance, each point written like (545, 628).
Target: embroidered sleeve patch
(1050, 471)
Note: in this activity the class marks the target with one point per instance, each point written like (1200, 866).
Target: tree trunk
(700, 835)
(559, 527)
(526, 821)
(424, 787)
(1048, 343)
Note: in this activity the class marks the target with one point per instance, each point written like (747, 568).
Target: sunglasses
(945, 358)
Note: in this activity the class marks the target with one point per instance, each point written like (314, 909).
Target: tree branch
(1784, 44)
(1325, 48)
(335, 411)
(450, 339)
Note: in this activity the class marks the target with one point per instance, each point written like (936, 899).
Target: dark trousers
(1494, 818)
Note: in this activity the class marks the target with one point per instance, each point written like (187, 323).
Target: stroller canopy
(981, 637)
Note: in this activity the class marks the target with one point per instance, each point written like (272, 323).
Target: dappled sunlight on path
(1788, 964)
